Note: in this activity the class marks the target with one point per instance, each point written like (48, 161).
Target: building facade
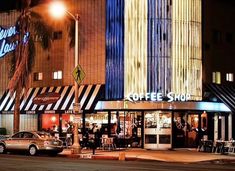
(154, 74)
(218, 55)
(53, 68)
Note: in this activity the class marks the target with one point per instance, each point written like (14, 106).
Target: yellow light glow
(53, 118)
(71, 118)
(57, 9)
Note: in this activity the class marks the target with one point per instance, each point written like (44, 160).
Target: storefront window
(204, 121)
(165, 120)
(67, 123)
(50, 122)
(97, 121)
(150, 120)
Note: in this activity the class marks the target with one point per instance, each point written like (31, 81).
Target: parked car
(32, 142)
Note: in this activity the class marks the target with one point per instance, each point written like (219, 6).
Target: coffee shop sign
(133, 97)
(7, 41)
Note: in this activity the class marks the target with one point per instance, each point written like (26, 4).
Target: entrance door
(192, 130)
(130, 125)
(186, 129)
(157, 132)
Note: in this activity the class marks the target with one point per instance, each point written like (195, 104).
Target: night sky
(6, 5)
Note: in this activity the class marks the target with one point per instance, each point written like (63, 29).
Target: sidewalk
(179, 155)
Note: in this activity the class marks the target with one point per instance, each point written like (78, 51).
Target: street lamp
(57, 9)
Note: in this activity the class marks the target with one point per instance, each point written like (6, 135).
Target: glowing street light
(58, 10)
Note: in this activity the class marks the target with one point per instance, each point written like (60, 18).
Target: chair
(218, 147)
(108, 143)
(205, 145)
(231, 147)
(208, 145)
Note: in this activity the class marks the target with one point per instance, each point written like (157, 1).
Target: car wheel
(32, 150)
(2, 149)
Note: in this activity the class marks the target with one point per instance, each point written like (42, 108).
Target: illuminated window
(216, 77)
(229, 77)
(57, 75)
(37, 76)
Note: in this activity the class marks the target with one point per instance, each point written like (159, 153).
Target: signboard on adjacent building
(46, 98)
(8, 42)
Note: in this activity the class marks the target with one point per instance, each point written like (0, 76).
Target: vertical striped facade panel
(162, 47)
(186, 48)
(114, 49)
(135, 49)
(29, 122)
(6, 121)
(159, 45)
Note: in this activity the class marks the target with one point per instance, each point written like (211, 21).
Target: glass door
(130, 126)
(192, 130)
(157, 132)
(188, 129)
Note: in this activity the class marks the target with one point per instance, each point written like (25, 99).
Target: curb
(98, 157)
(101, 157)
(123, 156)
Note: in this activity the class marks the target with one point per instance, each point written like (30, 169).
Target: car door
(26, 140)
(13, 143)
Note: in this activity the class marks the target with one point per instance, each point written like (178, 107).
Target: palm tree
(22, 61)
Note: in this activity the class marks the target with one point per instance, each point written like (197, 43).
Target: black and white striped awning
(88, 97)
(225, 93)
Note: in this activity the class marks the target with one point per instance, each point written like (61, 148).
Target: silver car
(32, 142)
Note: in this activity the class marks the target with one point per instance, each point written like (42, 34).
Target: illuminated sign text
(157, 97)
(7, 42)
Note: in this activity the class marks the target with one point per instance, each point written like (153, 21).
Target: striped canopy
(88, 97)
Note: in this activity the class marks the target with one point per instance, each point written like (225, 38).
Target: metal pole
(76, 149)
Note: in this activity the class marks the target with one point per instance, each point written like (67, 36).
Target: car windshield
(44, 135)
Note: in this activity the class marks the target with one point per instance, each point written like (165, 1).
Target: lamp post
(58, 9)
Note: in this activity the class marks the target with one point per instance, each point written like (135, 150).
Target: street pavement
(177, 155)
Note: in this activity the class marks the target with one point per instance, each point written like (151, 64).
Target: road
(44, 163)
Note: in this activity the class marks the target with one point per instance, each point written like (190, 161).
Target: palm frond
(32, 52)
(71, 28)
(42, 29)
